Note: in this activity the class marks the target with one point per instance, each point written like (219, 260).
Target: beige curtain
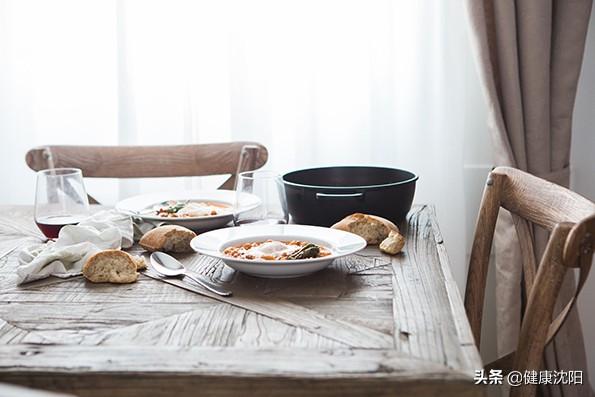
(530, 54)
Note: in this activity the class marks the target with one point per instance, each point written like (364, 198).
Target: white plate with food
(197, 210)
(278, 251)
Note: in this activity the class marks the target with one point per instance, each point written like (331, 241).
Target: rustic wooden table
(370, 324)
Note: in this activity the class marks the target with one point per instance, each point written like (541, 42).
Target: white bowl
(340, 244)
(137, 204)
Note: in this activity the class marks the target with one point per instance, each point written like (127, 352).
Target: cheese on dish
(199, 209)
(190, 209)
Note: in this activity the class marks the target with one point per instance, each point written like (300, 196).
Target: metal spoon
(168, 266)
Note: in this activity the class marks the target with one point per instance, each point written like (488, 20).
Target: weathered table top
(370, 324)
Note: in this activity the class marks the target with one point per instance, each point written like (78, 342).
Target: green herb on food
(172, 209)
(307, 251)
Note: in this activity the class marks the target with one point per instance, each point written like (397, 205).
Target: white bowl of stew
(278, 251)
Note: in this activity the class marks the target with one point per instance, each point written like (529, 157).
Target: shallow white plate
(137, 204)
(340, 244)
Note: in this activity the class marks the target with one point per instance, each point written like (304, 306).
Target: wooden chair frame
(153, 161)
(570, 219)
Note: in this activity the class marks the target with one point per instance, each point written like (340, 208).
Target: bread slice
(169, 238)
(113, 266)
(372, 228)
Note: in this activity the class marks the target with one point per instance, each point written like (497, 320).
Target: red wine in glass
(60, 200)
(50, 225)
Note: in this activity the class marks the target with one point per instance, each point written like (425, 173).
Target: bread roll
(169, 238)
(113, 266)
(373, 229)
(393, 244)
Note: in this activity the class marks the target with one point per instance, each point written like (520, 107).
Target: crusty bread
(393, 244)
(169, 238)
(372, 228)
(113, 266)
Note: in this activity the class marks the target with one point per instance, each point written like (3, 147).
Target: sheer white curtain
(326, 82)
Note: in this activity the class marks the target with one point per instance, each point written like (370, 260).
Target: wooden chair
(570, 219)
(153, 161)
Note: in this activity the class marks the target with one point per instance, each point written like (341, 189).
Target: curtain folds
(530, 54)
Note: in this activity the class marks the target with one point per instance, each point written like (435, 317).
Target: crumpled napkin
(66, 256)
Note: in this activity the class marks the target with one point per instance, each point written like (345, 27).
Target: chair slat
(146, 161)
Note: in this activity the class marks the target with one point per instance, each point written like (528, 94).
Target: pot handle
(339, 196)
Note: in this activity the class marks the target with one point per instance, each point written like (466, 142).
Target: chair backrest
(570, 219)
(153, 161)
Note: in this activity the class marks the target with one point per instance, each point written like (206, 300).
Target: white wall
(583, 179)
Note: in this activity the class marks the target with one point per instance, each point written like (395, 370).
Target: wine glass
(268, 187)
(60, 200)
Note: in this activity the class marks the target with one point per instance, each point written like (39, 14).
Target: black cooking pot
(323, 196)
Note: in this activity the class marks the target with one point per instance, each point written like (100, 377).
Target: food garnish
(172, 209)
(307, 251)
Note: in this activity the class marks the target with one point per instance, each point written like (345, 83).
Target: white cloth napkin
(66, 256)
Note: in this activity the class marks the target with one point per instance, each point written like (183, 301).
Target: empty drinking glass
(268, 187)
